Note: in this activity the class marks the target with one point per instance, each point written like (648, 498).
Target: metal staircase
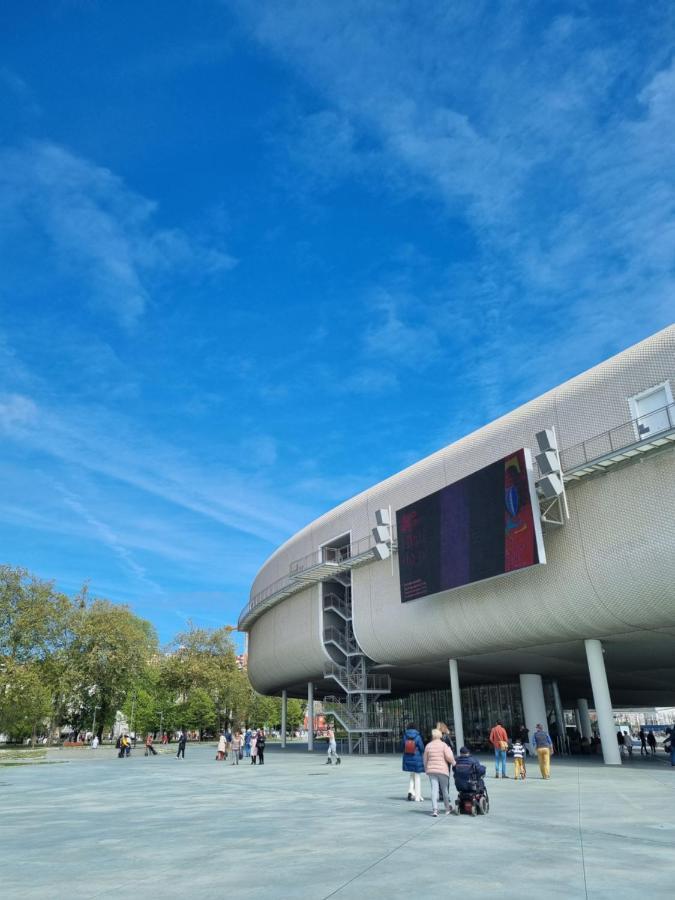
(351, 673)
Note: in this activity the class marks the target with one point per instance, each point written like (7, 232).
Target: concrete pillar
(585, 718)
(284, 706)
(577, 719)
(534, 705)
(560, 719)
(456, 704)
(310, 716)
(602, 702)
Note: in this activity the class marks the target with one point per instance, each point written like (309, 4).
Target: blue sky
(255, 256)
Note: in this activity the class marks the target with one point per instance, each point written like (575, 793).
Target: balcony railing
(636, 434)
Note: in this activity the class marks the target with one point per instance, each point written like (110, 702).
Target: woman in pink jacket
(438, 758)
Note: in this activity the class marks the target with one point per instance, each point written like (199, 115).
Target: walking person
(643, 742)
(254, 749)
(438, 759)
(500, 741)
(619, 740)
(332, 748)
(220, 753)
(182, 741)
(445, 735)
(541, 740)
(413, 761)
(260, 746)
(149, 749)
(651, 740)
(671, 741)
(235, 748)
(519, 770)
(247, 742)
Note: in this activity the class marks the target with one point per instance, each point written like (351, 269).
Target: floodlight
(546, 440)
(548, 462)
(550, 487)
(382, 516)
(381, 551)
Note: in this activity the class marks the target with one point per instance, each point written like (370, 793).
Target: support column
(602, 702)
(534, 705)
(560, 719)
(284, 706)
(310, 716)
(577, 719)
(456, 704)
(585, 718)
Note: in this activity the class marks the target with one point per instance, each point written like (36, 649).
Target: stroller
(472, 794)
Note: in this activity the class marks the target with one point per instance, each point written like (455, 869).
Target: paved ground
(97, 826)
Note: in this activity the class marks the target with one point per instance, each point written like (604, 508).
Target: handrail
(616, 439)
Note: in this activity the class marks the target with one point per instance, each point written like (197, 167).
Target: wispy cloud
(95, 229)
(550, 136)
(107, 444)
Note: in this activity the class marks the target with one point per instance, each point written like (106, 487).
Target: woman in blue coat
(413, 761)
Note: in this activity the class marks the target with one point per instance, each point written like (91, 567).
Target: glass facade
(482, 705)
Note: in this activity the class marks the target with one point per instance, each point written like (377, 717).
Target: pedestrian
(438, 759)
(228, 742)
(651, 740)
(235, 747)
(544, 746)
(445, 735)
(254, 749)
(182, 741)
(332, 747)
(413, 761)
(628, 743)
(643, 742)
(165, 738)
(671, 741)
(126, 746)
(524, 734)
(519, 770)
(94, 742)
(247, 742)
(149, 749)
(500, 741)
(260, 746)
(220, 754)
(619, 740)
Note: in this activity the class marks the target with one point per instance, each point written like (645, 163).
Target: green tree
(25, 701)
(295, 713)
(199, 712)
(109, 655)
(34, 617)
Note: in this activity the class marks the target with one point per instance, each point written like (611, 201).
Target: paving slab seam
(381, 859)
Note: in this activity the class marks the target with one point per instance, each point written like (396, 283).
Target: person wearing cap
(542, 743)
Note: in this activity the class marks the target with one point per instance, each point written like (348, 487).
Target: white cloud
(95, 230)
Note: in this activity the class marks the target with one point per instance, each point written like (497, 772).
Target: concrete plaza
(97, 826)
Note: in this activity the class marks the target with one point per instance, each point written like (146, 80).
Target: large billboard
(484, 525)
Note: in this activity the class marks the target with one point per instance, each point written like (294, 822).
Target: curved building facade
(596, 621)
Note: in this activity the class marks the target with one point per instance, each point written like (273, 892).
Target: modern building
(487, 580)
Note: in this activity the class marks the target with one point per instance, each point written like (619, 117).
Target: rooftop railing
(632, 433)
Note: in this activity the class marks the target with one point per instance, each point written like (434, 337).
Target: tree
(34, 618)
(109, 655)
(295, 714)
(25, 701)
(199, 712)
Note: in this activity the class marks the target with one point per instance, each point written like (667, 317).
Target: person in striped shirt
(519, 770)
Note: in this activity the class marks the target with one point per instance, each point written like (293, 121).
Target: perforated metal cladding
(285, 645)
(610, 567)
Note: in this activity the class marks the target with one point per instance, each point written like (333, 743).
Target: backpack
(410, 746)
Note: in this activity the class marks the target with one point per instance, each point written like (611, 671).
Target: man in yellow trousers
(542, 743)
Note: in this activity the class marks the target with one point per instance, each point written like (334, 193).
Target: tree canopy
(65, 662)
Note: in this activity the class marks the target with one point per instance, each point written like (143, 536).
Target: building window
(652, 411)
